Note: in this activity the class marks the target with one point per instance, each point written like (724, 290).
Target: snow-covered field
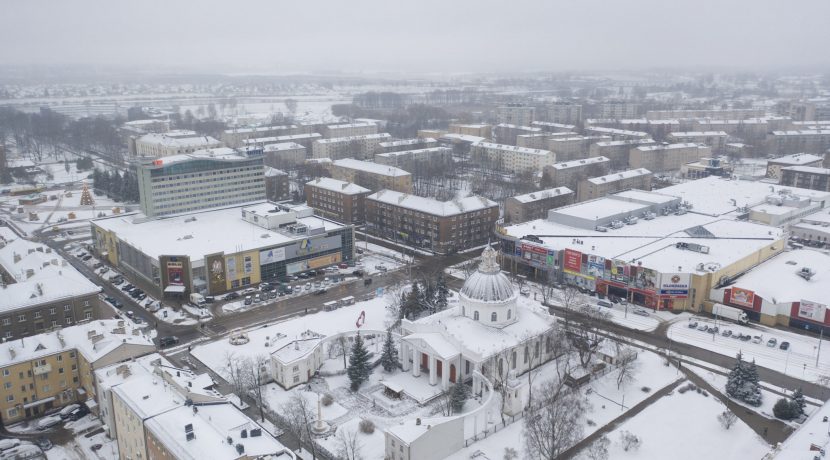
(799, 361)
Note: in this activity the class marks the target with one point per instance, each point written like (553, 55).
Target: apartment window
(88, 315)
(52, 311)
(10, 398)
(66, 308)
(6, 372)
(60, 358)
(7, 321)
(72, 354)
(37, 315)
(296, 378)
(46, 388)
(12, 413)
(21, 318)
(7, 385)
(60, 370)
(8, 334)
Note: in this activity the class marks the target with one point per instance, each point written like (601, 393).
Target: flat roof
(698, 134)
(798, 159)
(353, 138)
(414, 151)
(578, 163)
(683, 145)
(613, 177)
(218, 153)
(513, 148)
(166, 140)
(543, 194)
(414, 141)
(777, 277)
(259, 129)
(280, 146)
(370, 167)
(647, 197)
(432, 206)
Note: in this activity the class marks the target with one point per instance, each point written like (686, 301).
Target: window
(66, 308)
(10, 398)
(494, 317)
(513, 360)
(296, 378)
(12, 412)
(7, 321)
(52, 311)
(7, 385)
(6, 372)
(475, 315)
(527, 354)
(37, 315)
(21, 318)
(509, 313)
(88, 315)
(60, 370)
(60, 358)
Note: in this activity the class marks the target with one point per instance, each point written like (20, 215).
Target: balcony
(39, 370)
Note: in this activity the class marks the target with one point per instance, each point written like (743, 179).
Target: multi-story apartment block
(574, 147)
(715, 139)
(407, 144)
(511, 158)
(412, 159)
(337, 200)
(666, 157)
(596, 187)
(306, 140)
(570, 173)
(617, 134)
(795, 141)
(749, 129)
(53, 369)
(564, 112)
(554, 127)
(716, 114)
(173, 143)
(284, 155)
(348, 130)
(199, 180)
(441, 226)
(476, 129)
(277, 185)
(775, 165)
(618, 110)
(504, 133)
(799, 110)
(515, 114)
(536, 205)
(371, 175)
(336, 148)
(616, 151)
(40, 290)
(236, 137)
(540, 140)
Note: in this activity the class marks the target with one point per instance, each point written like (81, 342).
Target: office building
(277, 184)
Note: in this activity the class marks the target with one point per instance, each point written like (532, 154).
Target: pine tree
(389, 357)
(442, 292)
(736, 378)
(412, 306)
(359, 367)
(459, 393)
(784, 409)
(752, 388)
(798, 402)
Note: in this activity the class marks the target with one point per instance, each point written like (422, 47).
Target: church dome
(488, 283)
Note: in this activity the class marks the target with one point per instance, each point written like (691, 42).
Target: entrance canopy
(174, 289)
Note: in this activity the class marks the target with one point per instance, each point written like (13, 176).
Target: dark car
(117, 304)
(141, 296)
(44, 443)
(358, 273)
(79, 413)
(168, 341)
(784, 346)
(109, 299)
(95, 447)
(367, 281)
(210, 299)
(232, 296)
(320, 291)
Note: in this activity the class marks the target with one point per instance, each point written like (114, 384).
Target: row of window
(39, 314)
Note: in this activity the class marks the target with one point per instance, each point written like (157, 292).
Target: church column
(433, 370)
(476, 379)
(416, 363)
(405, 355)
(445, 373)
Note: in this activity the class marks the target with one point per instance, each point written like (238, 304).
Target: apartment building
(475, 129)
(159, 145)
(306, 140)
(52, 369)
(617, 152)
(775, 165)
(536, 205)
(411, 159)
(564, 112)
(570, 173)
(715, 139)
(40, 290)
(337, 200)
(574, 147)
(440, 226)
(236, 137)
(749, 129)
(795, 141)
(284, 155)
(706, 167)
(597, 187)
(515, 114)
(666, 157)
(618, 110)
(511, 158)
(716, 114)
(336, 148)
(277, 185)
(132, 130)
(407, 144)
(371, 175)
(617, 134)
(540, 140)
(553, 127)
(504, 133)
(348, 130)
(199, 180)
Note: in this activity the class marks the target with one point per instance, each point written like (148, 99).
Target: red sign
(360, 319)
(573, 260)
(743, 297)
(536, 249)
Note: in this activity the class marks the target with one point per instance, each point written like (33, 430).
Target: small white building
(296, 361)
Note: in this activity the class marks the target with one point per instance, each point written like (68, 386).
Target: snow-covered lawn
(370, 446)
(685, 427)
(799, 361)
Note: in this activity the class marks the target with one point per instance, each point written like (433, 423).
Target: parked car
(772, 342)
(79, 413)
(168, 341)
(86, 258)
(319, 291)
(231, 296)
(129, 313)
(44, 443)
(713, 330)
(703, 327)
(747, 338)
(97, 265)
(248, 300)
(726, 333)
(605, 303)
(784, 345)
(641, 312)
(95, 447)
(307, 286)
(24, 450)
(48, 422)
(141, 296)
(757, 339)
(64, 413)
(525, 291)
(367, 281)
(210, 299)
(6, 444)
(692, 324)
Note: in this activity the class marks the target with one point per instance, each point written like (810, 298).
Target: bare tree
(629, 441)
(299, 416)
(553, 424)
(626, 365)
(727, 418)
(339, 347)
(233, 372)
(585, 337)
(291, 105)
(598, 450)
(255, 375)
(348, 444)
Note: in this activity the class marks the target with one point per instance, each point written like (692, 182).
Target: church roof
(488, 283)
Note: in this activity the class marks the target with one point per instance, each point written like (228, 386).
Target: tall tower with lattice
(86, 197)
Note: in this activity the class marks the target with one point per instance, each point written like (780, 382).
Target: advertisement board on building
(675, 284)
(248, 264)
(573, 261)
(272, 255)
(596, 266)
(216, 272)
(619, 271)
(743, 297)
(537, 255)
(647, 279)
(813, 311)
(230, 264)
(175, 273)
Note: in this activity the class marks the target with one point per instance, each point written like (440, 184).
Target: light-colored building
(476, 129)
(706, 167)
(336, 199)
(306, 140)
(173, 143)
(666, 157)
(617, 134)
(511, 158)
(807, 140)
(554, 127)
(284, 155)
(716, 114)
(574, 147)
(296, 359)
(617, 152)
(715, 139)
(540, 140)
(236, 137)
(373, 176)
(200, 180)
(336, 148)
(775, 165)
(618, 110)
(564, 112)
(596, 187)
(407, 144)
(750, 129)
(535, 205)
(504, 133)
(411, 160)
(570, 173)
(348, 130)
(515, 114)
(53, 369)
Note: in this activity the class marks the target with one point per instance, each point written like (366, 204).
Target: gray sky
(420, 36)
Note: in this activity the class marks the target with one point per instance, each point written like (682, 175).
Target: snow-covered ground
(370, 446)
(799, 361)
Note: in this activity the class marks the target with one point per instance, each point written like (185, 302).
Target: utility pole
(820, 337)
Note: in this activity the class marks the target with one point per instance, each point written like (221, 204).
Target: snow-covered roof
(41, 275)
(432, 206)
(777, 278)
(368, 166)
(798, 159)
(149, 395)
(552, 125)
(808, 169)
(542, 194)
(297, 348)
(618, 176)
(488, 283)
(684, 145)
(621, 132)
(444, 150)
(218, 153)
(259, 129)
(577, 163)
(698, 134)
(166, 140)
(278, 147)
(93, 340)
(645, 197)
(513, 148)
(415, 141)
(281, 139)
(523, 128)
(409, 430)
(462, 138)
(335, 140)
(339, 186)
(350, 125)
(274, 172)
(625, 142)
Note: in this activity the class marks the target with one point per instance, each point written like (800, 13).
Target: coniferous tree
(736, 378)
(742, 383)
(359, 367)
(798, 402)
(442, 292)
(459, 393)
(389, 357)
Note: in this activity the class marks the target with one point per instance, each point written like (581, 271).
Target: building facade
(370, 175)
(806, 177)
(511, 158)
(536, 205)
(515, 114)
(348, 130)
(337, 200)
(277, 185)
(597, 187)
(157, 145)
(666, 157)
(348, 147)
(570, 173)
(776, 165)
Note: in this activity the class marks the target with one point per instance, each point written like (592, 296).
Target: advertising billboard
(813, 311)
(248, 264)
(272, 255)
(216, 273)
(619, 271)
(675, 284)
(596, 266)
(537, 255)
(743, 297)
(573, 261)
(175, 273)
(230, 265)
(647, 279)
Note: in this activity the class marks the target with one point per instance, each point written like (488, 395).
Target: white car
(48, 422)
(24, 450)
(525, 291)
(6, 444)
(64, 413)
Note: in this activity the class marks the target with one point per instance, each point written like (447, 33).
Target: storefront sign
(596, 266)
(175, 273)
(272, 255)
(743, 297)
(813, 311)
(216, 273)
(619, 271)
(248, 264)
(573, 261)
(675, 284)
(647, 279)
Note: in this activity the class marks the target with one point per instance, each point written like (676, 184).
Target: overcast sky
(422, 36)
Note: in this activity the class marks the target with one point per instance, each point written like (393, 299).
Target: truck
(197, 299)
(730, 313)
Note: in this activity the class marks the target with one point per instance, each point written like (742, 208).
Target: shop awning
(174, 289)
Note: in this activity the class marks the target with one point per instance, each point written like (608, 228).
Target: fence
(494, 429)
